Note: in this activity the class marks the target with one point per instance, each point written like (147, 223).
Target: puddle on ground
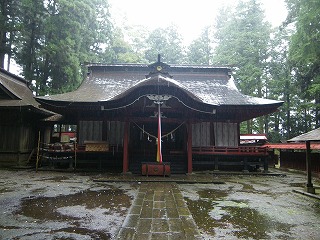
(297, 184)
(45, 208)
(213, 194)
(6, 190)
(212, 212)
(38, 190)
(94, 234)
(83, 214)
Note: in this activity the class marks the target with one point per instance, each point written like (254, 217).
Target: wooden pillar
(125, 161)
(245, 165)
(189, 149)
(266, 164)
(216, 163)
(310, 188)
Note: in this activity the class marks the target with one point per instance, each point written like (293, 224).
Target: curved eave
(29, 108)
(204, 94)
(157, 80)
(61, 105)
(157, 85)
(255, 108)
(246, 112)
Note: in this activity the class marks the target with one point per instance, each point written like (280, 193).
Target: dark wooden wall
(297, 160)
(90, 131)
(226, 134)
(109, 131)
(115, 132)
(215, 134)
(17, 140)
(201, 134)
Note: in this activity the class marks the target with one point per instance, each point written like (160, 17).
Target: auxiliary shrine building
(114, 116)
(20, 116)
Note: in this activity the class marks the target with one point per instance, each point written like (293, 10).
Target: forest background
(52, 40)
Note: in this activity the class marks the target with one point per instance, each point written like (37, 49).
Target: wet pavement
(58, 205)
(159, 212)
(64, 205)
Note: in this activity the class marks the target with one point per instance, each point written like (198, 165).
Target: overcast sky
(189, 16)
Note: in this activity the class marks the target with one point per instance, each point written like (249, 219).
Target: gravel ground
(62, 205)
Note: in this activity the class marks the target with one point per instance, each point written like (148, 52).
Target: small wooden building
(292, 155)
(19, 117)
(307, 138)
(201, 110)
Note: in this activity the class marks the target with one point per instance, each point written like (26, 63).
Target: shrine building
(114, 118)
(20, 116)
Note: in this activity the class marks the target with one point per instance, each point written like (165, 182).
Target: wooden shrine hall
(20, 115)
(119, 109)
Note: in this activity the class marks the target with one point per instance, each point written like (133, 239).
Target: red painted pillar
(125, 166)
(189, 148)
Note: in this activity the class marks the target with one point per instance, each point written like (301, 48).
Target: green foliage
(8, 26)
(242, 42)
(121, 51)
(56, 37)
(30, 38)
(51, 39)
(304, 51)
(168, 43)
(275, 137)
(242, 38)
(305, 47)
(200, 50)
(280, 83)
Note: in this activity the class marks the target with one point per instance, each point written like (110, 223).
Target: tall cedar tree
(9, 25)
(281, 86)
(168, 43)
(242, 38)
(304, 54)
(200, 49)
(56, 37)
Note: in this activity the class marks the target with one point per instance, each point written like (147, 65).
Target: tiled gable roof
(16, 93)
(313, 135)
(208, 85)
(17, 90)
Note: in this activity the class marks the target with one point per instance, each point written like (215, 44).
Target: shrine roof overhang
(15, 94)
(313, 135)
(116, 86)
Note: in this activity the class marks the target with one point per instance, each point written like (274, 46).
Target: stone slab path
(159, 212)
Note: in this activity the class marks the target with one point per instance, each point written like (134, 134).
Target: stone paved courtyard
(65, 205)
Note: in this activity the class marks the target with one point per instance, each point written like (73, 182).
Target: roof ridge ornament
(158, 99)
(159, 68)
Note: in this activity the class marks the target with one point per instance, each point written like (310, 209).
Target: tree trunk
(287, 97)
(249, 126)
(3, 31)
(317, 111)
(266, 124)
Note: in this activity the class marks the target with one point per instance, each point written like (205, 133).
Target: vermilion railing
(243, 150)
